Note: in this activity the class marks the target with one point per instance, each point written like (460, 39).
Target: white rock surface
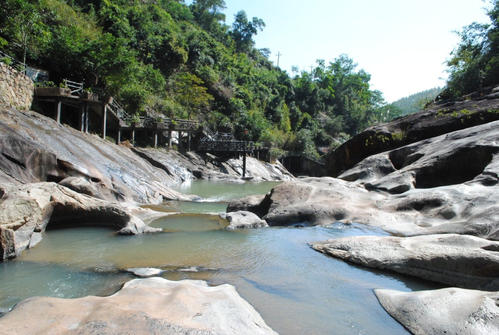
(457, 260)
(143, 306)
(450, 311)
(244, 220)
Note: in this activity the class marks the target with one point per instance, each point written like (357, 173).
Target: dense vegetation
(474, 64)
(415, 102)
(183, 61)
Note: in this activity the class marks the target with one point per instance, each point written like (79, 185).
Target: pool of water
(296, 289)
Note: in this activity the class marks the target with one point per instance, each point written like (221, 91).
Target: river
(296, 289)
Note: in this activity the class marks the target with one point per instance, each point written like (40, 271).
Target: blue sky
(403, 44)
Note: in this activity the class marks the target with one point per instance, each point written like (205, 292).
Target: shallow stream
(296, 289)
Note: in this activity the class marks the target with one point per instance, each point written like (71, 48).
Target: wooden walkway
(110, 118)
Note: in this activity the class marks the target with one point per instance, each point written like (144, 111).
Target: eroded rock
(244, 220)
(438, 119)
(446, 311)
(456, 260)
(142, 306)
(26, 210)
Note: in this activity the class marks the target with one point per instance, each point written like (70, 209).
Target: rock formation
(26, 210)
(243, 220)
(422, 194)
(436, 120)
(142, 306)
(455, 260)
(439, 195)
(446, 311)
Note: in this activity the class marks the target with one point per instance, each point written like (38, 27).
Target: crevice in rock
(403, 157)
(420, 204)
(463, 165)
(153, 162)
(67, 216)
(491, 247)
(13, 160)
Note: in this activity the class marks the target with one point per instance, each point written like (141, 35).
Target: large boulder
(450, 311)
(456, 260)
(450, 159)
(142, 306)
(447, 184)
(35, 148)
(438, 119)
(26, 210)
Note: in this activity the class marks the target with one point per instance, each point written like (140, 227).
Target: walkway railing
(75, 87)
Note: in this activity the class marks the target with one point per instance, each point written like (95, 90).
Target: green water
(295, 289)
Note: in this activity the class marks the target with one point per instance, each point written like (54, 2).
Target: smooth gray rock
(244, 220)
(142, 306)
(450, 159)
(450, 311)
(26, 210)
(446, 184)
(436, 120)
(34, 148)
(456, 260)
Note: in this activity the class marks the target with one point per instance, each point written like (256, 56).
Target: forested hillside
(415, 102)
(183, 61)
(474, 64)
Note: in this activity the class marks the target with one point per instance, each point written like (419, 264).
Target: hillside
(183, 61)
(416, 102)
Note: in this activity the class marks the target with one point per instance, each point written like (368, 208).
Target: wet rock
(26, 210)
(456, 260)
(435, 121)
(145, 272)
(244, 220)
(445, 311)
(142, 306)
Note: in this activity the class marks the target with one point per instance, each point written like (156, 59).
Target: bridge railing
(226, 146)
(75, 87)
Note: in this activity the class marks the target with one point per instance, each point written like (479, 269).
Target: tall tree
(244, 30)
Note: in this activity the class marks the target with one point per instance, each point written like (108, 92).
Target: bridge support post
(189, 141)
(104, 121)
(170, 139)
(155, 139)
(118, 139)
(81, 121)
(58, 111)
(244, 164)
(133, 136)
(86, 119)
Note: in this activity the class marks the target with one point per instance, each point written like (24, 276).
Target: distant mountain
(415, 102)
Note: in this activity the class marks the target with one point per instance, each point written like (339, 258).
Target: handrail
(74, 86)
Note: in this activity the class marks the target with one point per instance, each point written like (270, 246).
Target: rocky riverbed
(53, 175)
(439, 196)
(437, 193)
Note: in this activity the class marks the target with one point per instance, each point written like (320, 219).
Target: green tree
(191, 93)
(474, 64)
(244, 30)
